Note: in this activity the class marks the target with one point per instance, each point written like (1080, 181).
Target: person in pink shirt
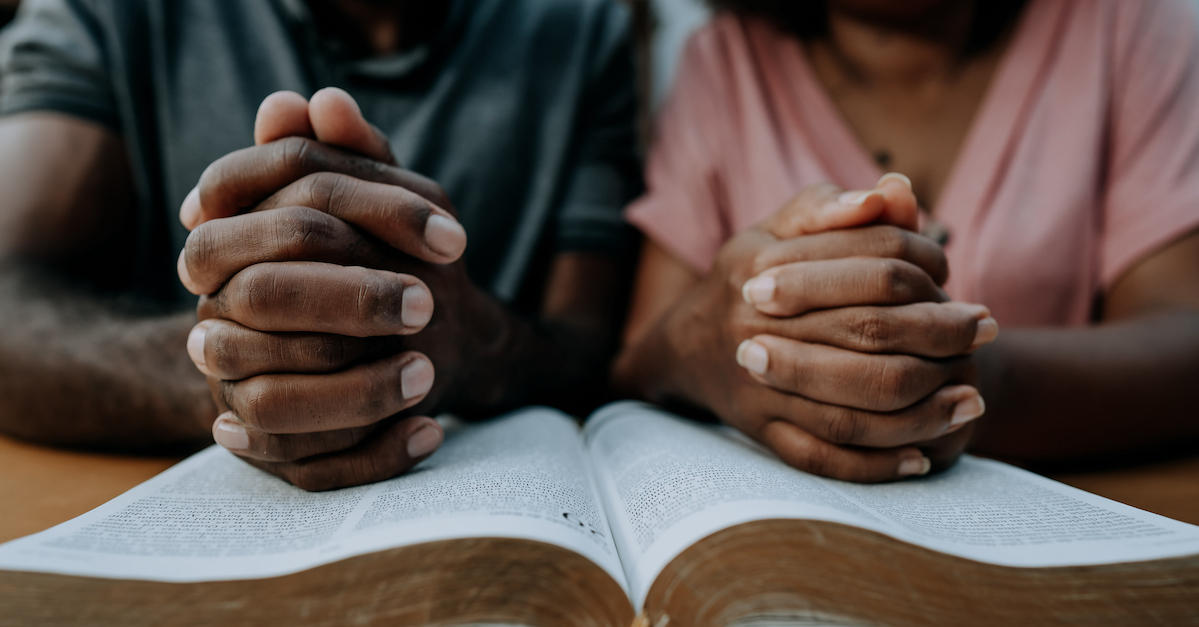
(1053, 149)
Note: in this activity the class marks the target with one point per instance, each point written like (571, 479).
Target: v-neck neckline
(987, 142)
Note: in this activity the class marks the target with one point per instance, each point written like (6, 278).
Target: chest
(917, 127)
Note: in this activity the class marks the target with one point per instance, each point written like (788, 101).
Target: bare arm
(79, 367)
(1123, 385)
(562, 357)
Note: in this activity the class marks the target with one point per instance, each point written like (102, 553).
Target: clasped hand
(317, 260)
(850, 361)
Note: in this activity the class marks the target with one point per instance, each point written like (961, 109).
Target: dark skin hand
(79, 368)
(850, 365)
(896, 73)
(336, 314)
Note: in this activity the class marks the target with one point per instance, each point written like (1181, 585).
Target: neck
(379, 27)
(380, 22)
(910, 49)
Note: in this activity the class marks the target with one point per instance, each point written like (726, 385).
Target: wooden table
(41, 487)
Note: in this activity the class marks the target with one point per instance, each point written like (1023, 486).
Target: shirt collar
(390, 67)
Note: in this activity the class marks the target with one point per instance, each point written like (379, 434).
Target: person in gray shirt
(340, 302)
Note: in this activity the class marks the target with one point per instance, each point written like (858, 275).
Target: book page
(214, 517)
(668, 483)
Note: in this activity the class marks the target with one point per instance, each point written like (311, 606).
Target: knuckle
(256, 292)
(376, 392)
(222, 353)
(374, 303)
(889, 383)
(293, 153)
(201, 247)
(331, 352)
(894, 280)
(254, 398)
(302, 232)
(845, 426)
(895, 242)
(872, 330)
(321, 190)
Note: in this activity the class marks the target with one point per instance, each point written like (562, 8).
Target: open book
(639, 516)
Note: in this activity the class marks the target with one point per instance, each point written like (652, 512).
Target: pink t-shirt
(1083, 157)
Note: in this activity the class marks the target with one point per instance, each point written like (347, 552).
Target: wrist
(689, 351)
(993, 379)
(487, 335)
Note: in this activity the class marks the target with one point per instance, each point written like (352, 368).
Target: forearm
(1060, 395)
(555, 360)
(80, 370)
(657, 367)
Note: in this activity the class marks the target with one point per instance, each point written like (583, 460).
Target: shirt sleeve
(53, 58)
(1153, 173)
(606, 172)
(681, 210)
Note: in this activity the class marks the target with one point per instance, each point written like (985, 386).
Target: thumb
(282, 114)
(825, 207)
(901, 207)
(337, 120)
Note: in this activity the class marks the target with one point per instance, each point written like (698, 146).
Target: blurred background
(664, 26)
(7, 9)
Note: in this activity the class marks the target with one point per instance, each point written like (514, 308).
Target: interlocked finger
(231, 433)
(805, 451)
(311, 403)
(401, 218)
(218, 249)
(243, 178)
(390, 451)
(797, 288)
(879, 383)
(322, 298)
(920, 329)
(945, 411)
(869, 241)
(227, 350)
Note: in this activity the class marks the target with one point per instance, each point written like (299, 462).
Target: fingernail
(915, 466)
(445, 236)
(195, 345)
(417, 307)
(759, 290)
(416, 379)
(897, 176)
(189, 212)
(185, 277)
(973, 309)
(986, 332)
(424, 441)
(229, 434)
(967, 409)
(853, 199)
(753, 357)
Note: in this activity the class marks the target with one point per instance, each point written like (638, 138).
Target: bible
(637, 518)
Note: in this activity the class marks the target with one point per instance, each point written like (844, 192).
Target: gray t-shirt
(524, 110)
